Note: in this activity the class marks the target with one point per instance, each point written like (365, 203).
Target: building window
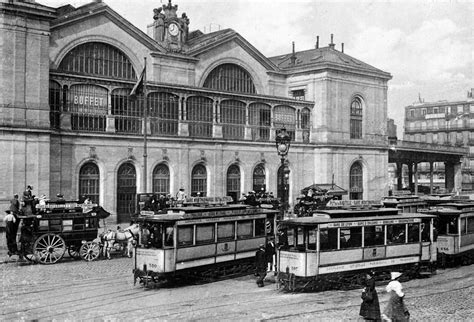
(199, 115)
(233, 182)
(355, 181)
(435, 110)
(230, 77)
(164, 113)
(356, 118)
(298, 94)
(88, 107)
(258, 181)
(233, 119)
(285, 116)
(55, 102)
(98, 59)
(126, 191)
(305, 124)
(127, 112)
(260, 121)
(161, 179)
(199, 181)
(423, 111)
(89, 182)
(412, 113)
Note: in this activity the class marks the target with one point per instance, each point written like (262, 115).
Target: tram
(335, 248)
(455, 228)
(405, 203)
(206, 238)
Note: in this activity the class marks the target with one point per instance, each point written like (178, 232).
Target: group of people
(265, 261)
(310, 200)
(253, 198)
(395, 310)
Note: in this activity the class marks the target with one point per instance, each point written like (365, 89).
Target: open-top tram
(455, 229)
(335, 248)
(200, 241)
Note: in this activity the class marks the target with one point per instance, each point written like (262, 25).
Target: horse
(121, 239)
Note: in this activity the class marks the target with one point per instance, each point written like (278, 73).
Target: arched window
(163, 114)
(305, 124)
(199, 115)
(126, 190)
(98, 59)
(356, 181)
(89, 181)
(199, 181)
(230, 77)
(285, 116)
(258, 178)
(260, 121)
(233, 182)
(55, 102)
(356, 118)
(233, 119)
(161, 179)
(127, 111)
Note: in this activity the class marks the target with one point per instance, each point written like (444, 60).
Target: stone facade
(51, 157)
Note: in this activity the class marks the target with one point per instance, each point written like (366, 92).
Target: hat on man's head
(395, 275)
(261, 246)
(29, 187)
(7, 211)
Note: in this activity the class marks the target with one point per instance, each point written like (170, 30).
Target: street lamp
(282, 141)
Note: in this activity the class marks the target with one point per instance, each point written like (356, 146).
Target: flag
(138, 88)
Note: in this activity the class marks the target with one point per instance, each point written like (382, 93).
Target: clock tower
(168, 29)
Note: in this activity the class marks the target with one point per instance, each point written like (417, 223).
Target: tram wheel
(89, 251)
(73, 251)
(49, 248)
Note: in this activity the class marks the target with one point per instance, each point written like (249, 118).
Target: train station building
(204, 117)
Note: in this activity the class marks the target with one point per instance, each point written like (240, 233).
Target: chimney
(342, 47)
(293, 56)
(317, 42)
(331, 45)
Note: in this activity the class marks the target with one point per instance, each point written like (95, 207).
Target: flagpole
(145, 130)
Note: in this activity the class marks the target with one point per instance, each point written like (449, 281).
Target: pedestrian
(260, 265)
(10, 232)
(396, 309)
(180, 196)
(269, 254)
(370, 307)
(28, 201)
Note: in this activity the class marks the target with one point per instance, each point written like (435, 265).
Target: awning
(329, 188)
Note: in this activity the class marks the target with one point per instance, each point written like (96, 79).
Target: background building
(445, 123)
(214, 104)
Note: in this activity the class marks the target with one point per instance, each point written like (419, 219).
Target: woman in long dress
(370, 307)
(396, 309)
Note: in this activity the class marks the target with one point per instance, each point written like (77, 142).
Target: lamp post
(282, 141)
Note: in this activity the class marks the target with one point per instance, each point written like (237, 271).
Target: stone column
(399, 176)
(431, 177)
(410, 175)
(415, 174)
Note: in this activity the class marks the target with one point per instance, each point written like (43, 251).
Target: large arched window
(260, 121)
(161, 179)
(356, 181)
(258, 178)
(89, 181)
(199, 181)
(233, 119)
(285, 116)
(233, 182)
(126, 190)
(356, 118)
(55, 102)
(199, 115)
(127, 112)
(230, 77)
(98, 59)
(163, 113)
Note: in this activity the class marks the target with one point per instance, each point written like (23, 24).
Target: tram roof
(311, 221)
(451, 208)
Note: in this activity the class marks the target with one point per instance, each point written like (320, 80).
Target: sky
(427, 46)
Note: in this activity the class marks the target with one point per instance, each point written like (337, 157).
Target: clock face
(173, 29)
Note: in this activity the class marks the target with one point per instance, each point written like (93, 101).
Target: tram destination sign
(370, 223)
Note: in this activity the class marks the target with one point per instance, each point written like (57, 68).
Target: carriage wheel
(89, 251)
(49, 248)
(73, 251)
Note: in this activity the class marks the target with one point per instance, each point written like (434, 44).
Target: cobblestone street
(104, 290)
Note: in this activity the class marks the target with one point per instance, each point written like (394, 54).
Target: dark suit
(260, 266)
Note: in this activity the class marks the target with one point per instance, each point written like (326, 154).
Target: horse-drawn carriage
(59, 226)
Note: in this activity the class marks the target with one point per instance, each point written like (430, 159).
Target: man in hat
(28, 201)
(260, 265)
(180, 195)
(396, 309)
(10, 232)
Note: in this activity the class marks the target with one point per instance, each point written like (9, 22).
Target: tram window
(283, 238)
(205, 234)
(425, 230)
(259, 227)
(463, 226)
(311, 239)
(328, 239)
(351, 237)
(396, 234)
(453, 225)
(470, 225)
(300, 238)
(144, 237)
(413, 233)
(225, 231)
(244, 229)
(373, 236)
(169, 231)
(185, 235)
(291, 237)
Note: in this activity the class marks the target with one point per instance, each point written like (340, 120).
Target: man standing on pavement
(260, 265)
(10, 232)
(15, 211)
